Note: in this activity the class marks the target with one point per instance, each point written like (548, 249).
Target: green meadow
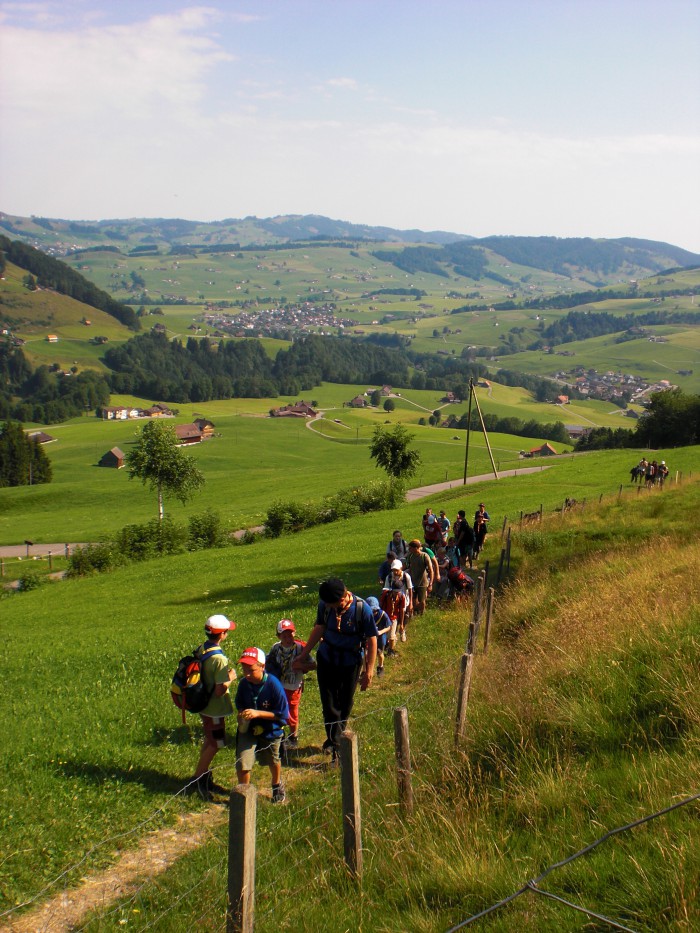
(551, 762)
(255, 460)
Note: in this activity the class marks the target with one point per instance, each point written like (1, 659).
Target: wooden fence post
(600, 498)
(505, 522)
(465, 678)
(500, 566)
(521, 519)
(541, 510)
(489, 612)
(508, 552)
(403, 760)
(619, 492)
(350, 787)
(240, 911)
(50, 562)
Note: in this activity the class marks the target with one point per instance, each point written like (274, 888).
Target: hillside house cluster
(610, 385)
(291, 320)
(125, 412)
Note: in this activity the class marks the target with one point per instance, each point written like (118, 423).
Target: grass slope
(556, 753)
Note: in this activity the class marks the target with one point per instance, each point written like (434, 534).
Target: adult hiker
(346, 635)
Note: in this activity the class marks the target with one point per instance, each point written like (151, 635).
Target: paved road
(422, 491)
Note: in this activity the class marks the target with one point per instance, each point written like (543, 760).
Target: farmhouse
(113, 458)
(188, 434)
(358, 402)
(300, 409)
(546, 450)
(114, 412)
(157, 411)
(206, 427)
(52, 338)
(40, 437)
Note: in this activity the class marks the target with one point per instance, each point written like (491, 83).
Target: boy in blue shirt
(262, 713)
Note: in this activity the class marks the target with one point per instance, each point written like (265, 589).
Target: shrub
(287, 517)
(152, 539)
(205, 531)
(95, 558)
(29, 581)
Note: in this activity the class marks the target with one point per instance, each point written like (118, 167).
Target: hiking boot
(327, 747)
(403, 636)
(292, 741)
(211, 785)
(278, 794)
(380, 672)
(197, 786)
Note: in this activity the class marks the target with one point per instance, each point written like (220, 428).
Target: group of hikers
(649, 472)
(351, 637)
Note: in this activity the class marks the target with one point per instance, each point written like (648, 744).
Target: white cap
(396, 565)
(219, 623)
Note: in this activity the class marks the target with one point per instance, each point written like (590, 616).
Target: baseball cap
(252, 656)
(332, 591)
(219, 623)
(285, 625)
(396, 565)
(372, 602)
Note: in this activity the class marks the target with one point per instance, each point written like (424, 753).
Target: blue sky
(523, 117)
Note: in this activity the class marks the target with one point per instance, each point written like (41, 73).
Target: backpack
(459, 580)
(188, 690)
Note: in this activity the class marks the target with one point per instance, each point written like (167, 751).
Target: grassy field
(567, 735)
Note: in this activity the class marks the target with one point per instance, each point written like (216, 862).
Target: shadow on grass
(151, 780)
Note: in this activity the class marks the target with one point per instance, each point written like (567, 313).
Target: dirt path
(67, 909)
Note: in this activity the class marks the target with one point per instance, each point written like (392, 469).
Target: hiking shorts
(249, 747)
(214, 730)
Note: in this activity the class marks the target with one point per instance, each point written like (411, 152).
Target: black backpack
(188, 690)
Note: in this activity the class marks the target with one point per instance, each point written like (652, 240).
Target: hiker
(662, 473)
(482, 513)
(397, 601)
(441, 585)
(444, 523)
(346, 634)
(479, 535)
(452, 552)
(384, 626)
(218, 678)
(432, 532)
(464, 538)
(420, 567)
(280, 660)
(262, 713)
(397, 549)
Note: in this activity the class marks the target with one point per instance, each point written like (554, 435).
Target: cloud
(126, 71)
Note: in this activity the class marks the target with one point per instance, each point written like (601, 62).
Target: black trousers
(337, 685)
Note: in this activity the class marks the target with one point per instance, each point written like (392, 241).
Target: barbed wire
(533, 885)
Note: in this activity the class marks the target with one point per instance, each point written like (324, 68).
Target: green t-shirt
(215, 670)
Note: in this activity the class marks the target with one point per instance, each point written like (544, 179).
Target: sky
(479, 117)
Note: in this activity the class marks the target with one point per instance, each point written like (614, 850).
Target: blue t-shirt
(345, 633)
(269, 696)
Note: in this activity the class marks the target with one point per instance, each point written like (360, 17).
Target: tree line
(45, 395)
(672, 420)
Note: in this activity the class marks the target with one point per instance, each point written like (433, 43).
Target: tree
(389, 404)
(22, 459)
(392, 452)
(157, 461)
(375, 398)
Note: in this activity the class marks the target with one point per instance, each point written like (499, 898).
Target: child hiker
(262, 713)
(280, 659)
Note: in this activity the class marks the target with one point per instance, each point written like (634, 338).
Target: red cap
(252, 656)
(285, 625)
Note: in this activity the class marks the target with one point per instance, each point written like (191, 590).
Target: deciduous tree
(392, 452)
(159, 463)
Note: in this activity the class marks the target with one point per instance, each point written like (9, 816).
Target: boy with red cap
(218, 677)
(280, 659)
(262, 712)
